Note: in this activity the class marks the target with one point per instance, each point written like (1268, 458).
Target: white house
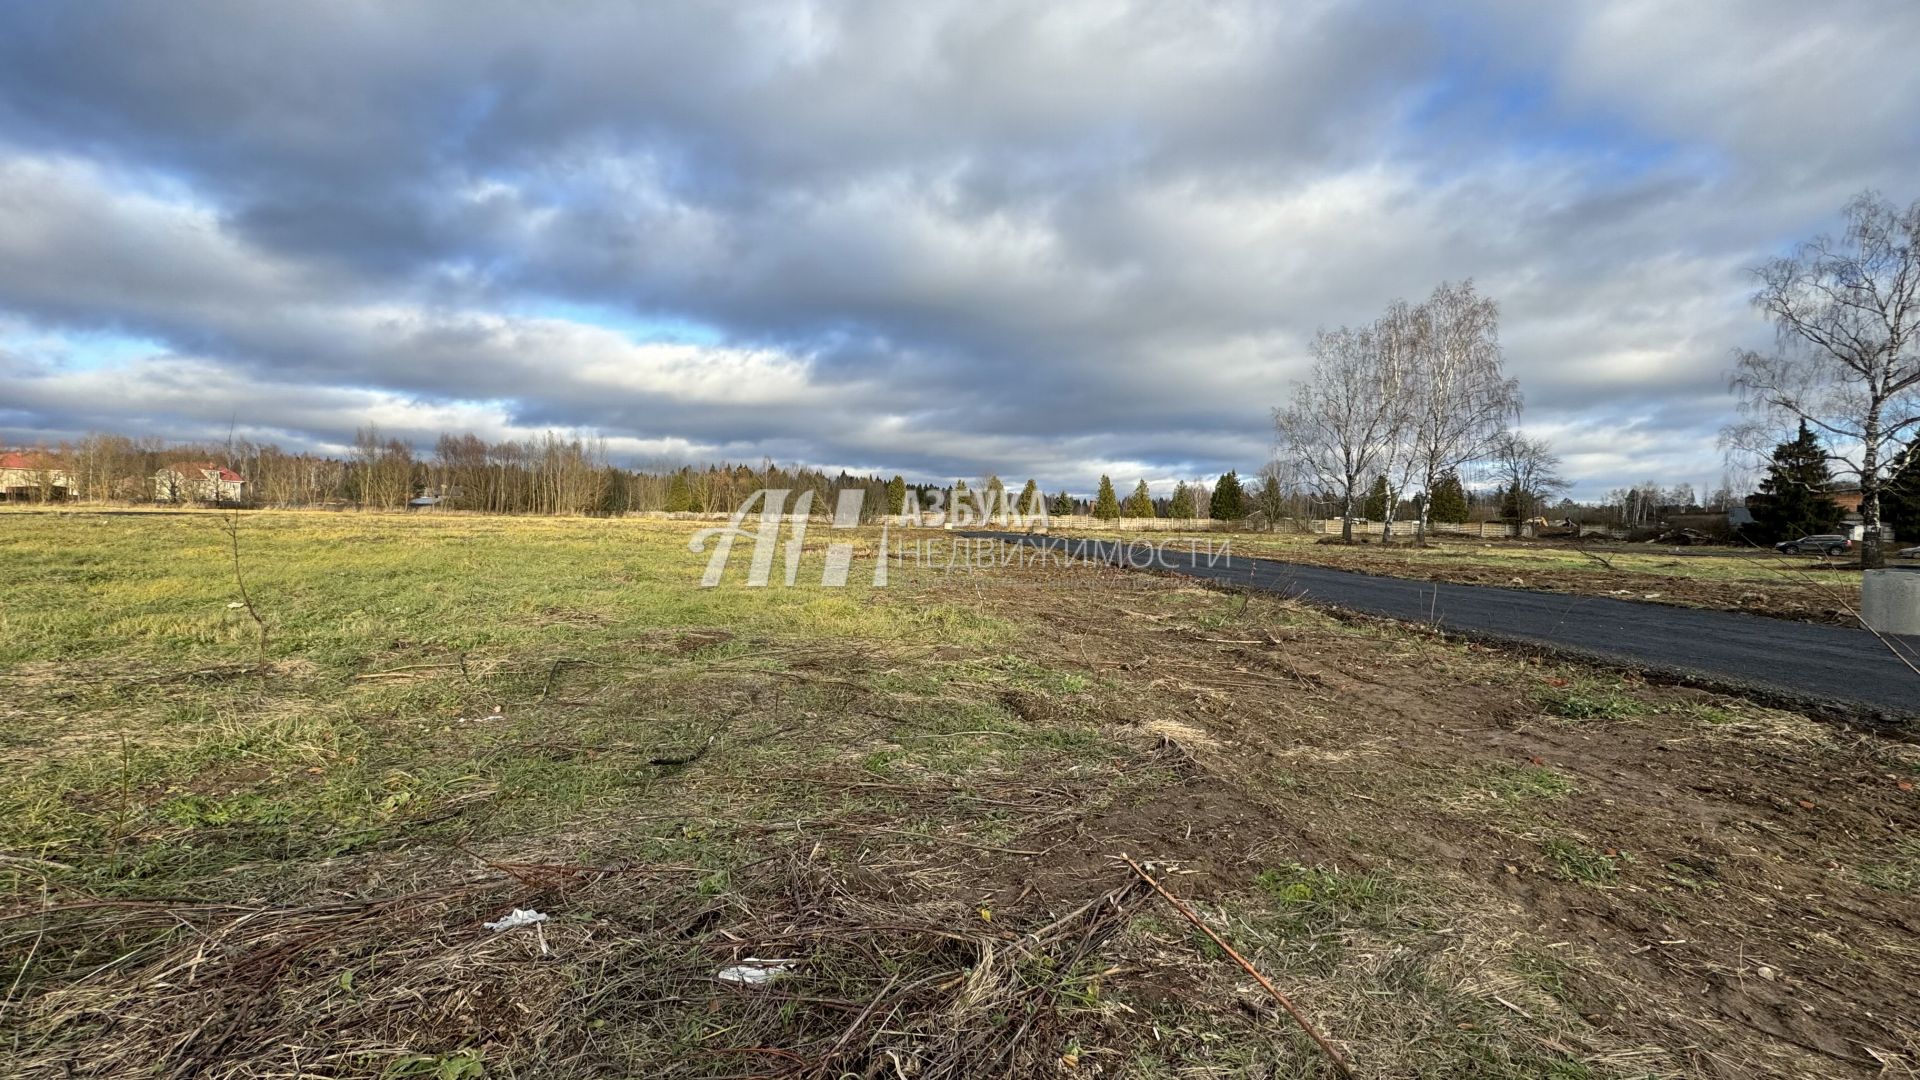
(31, 478)
(198, 481)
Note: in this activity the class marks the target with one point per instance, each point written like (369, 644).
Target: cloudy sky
(933, 238)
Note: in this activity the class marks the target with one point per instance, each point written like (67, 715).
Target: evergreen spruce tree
(1513, 501)
(1374, 506)
(1449, 501)
(1269, 500)
(1105, 506)
(1029, 500)
(897, 495)
(1229, 502)
(614, 496)
(1062, 505)
(1181, 505)
(1140, 503)
(1793, 500)
(679, 494)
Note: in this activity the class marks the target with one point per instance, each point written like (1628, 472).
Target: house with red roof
(32, 477)
(198, 481)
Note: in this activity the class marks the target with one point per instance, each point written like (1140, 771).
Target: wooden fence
(1485, 530)
(1329, 526)
(1087, 521)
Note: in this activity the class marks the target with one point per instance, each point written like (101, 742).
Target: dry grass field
(878, 832)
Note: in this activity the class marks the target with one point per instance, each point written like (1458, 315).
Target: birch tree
(1846, 311)
(1340, 422)
(1400, 340)
(1460, 400)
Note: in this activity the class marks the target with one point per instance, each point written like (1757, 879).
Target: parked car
(1908, 553)
(1823, 544)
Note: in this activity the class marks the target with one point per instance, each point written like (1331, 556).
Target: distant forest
(552, 474)
(557, 474)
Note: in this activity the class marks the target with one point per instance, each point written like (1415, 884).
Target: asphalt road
(1834, 669)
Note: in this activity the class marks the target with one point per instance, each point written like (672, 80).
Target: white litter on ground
(518, 917)
(753, 971)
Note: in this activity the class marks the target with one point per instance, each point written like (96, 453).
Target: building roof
(15, 460)
(206, 470)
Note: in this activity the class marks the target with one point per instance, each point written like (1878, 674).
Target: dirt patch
(576, 617)
(680, 642)
(1700, 870)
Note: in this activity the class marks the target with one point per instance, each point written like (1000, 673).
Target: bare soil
(1729, 920)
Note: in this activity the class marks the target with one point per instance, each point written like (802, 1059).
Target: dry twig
(1179, 905)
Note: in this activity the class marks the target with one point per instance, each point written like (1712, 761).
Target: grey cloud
(959, 237)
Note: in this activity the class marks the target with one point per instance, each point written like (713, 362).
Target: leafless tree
(1416, 395)
(1459, 401)
(1276, 497)
(230, 524)
(1342, 420)
(1847, 360)
(1529, 473)
(1400, 340)
(383, 469)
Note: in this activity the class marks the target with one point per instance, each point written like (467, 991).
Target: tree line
(1225, 501)
(549, 474)
(561, 475)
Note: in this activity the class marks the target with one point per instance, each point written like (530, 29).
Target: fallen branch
(684, 759)
(1606, 562)
(1286, 1003)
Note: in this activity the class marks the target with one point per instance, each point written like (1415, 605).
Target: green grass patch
(1587, 699)
(1310, 899)
(1576, 861)
(1901, 873)
(1524, 783)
